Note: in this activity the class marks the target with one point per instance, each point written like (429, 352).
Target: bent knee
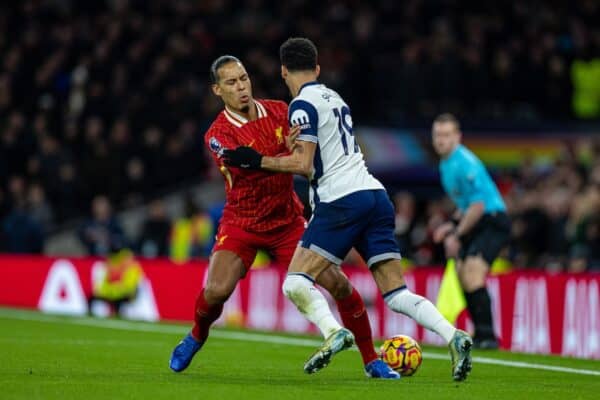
(217, 293)
(339, 288)
(294, 284)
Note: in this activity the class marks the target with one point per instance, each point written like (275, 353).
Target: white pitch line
(252, 337)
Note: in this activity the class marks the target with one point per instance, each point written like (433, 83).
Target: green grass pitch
(51, 357)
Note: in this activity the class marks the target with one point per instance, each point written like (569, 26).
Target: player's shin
(421, 310)
(300, 289)
(354, 316)
(204, 315)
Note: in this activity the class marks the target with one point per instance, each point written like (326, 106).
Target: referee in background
(480, 227)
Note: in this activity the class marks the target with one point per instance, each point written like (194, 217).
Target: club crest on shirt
(221, 240)
(279, 134)
(215, 146)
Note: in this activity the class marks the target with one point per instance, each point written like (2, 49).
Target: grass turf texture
(49, 357)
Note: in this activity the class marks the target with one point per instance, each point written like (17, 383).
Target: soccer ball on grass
(402, 353)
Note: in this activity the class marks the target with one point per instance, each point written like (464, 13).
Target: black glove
(242, 157)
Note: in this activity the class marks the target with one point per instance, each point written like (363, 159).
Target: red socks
(354, 316)
(204, 315)
(352, 311)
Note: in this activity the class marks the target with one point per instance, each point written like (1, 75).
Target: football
(402, 353)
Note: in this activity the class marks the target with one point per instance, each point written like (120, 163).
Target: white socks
(421, 310)
(300, 289)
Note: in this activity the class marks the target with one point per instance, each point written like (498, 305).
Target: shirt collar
(238, 120)
(311, 83)
(454, 153)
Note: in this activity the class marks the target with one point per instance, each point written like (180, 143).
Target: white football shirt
(339, 166)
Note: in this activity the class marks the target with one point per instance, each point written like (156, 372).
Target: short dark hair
(447, 117)
(298, 54)
(218, 63)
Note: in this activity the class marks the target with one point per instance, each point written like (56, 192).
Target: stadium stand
(111, 98)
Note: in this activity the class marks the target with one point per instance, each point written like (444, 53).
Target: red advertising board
(534, 312)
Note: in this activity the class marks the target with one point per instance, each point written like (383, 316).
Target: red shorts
(280, 243)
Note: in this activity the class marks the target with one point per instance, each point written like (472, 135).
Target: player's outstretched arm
(299, 162)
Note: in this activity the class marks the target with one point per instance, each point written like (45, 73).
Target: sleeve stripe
(307, 138)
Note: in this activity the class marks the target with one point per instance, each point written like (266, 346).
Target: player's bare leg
(299, 287)
(224, 271)
(388, 275)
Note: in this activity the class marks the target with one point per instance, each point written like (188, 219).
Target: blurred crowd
(555, 212)
(179, 237)
(109, 99)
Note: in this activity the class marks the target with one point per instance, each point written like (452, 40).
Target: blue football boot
(379, 369)
(184, 352)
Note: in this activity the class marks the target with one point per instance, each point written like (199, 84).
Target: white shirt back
(339, 166)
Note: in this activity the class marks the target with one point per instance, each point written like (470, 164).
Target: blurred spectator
(586, 94)
(4, 206)
(100, 169)
(16, 191)
(136, 182)
(215, 212)
(118, 282)
(428, 253)
(50, 157)
(101, 232)
(20, 233)
(38, 207)
(584, 226)
(556, 208)
(191, 234)
(154, 240)
(406, 214)
(69, 193)
(76, 89)
(529, 230)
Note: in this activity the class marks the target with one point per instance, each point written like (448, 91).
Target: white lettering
(581, 323)
(62, 292)
(143, 307)
(493, 286)
(263, 294)
(531, 326)
(593, 347)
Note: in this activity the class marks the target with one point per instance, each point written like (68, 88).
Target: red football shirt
(256, 200)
